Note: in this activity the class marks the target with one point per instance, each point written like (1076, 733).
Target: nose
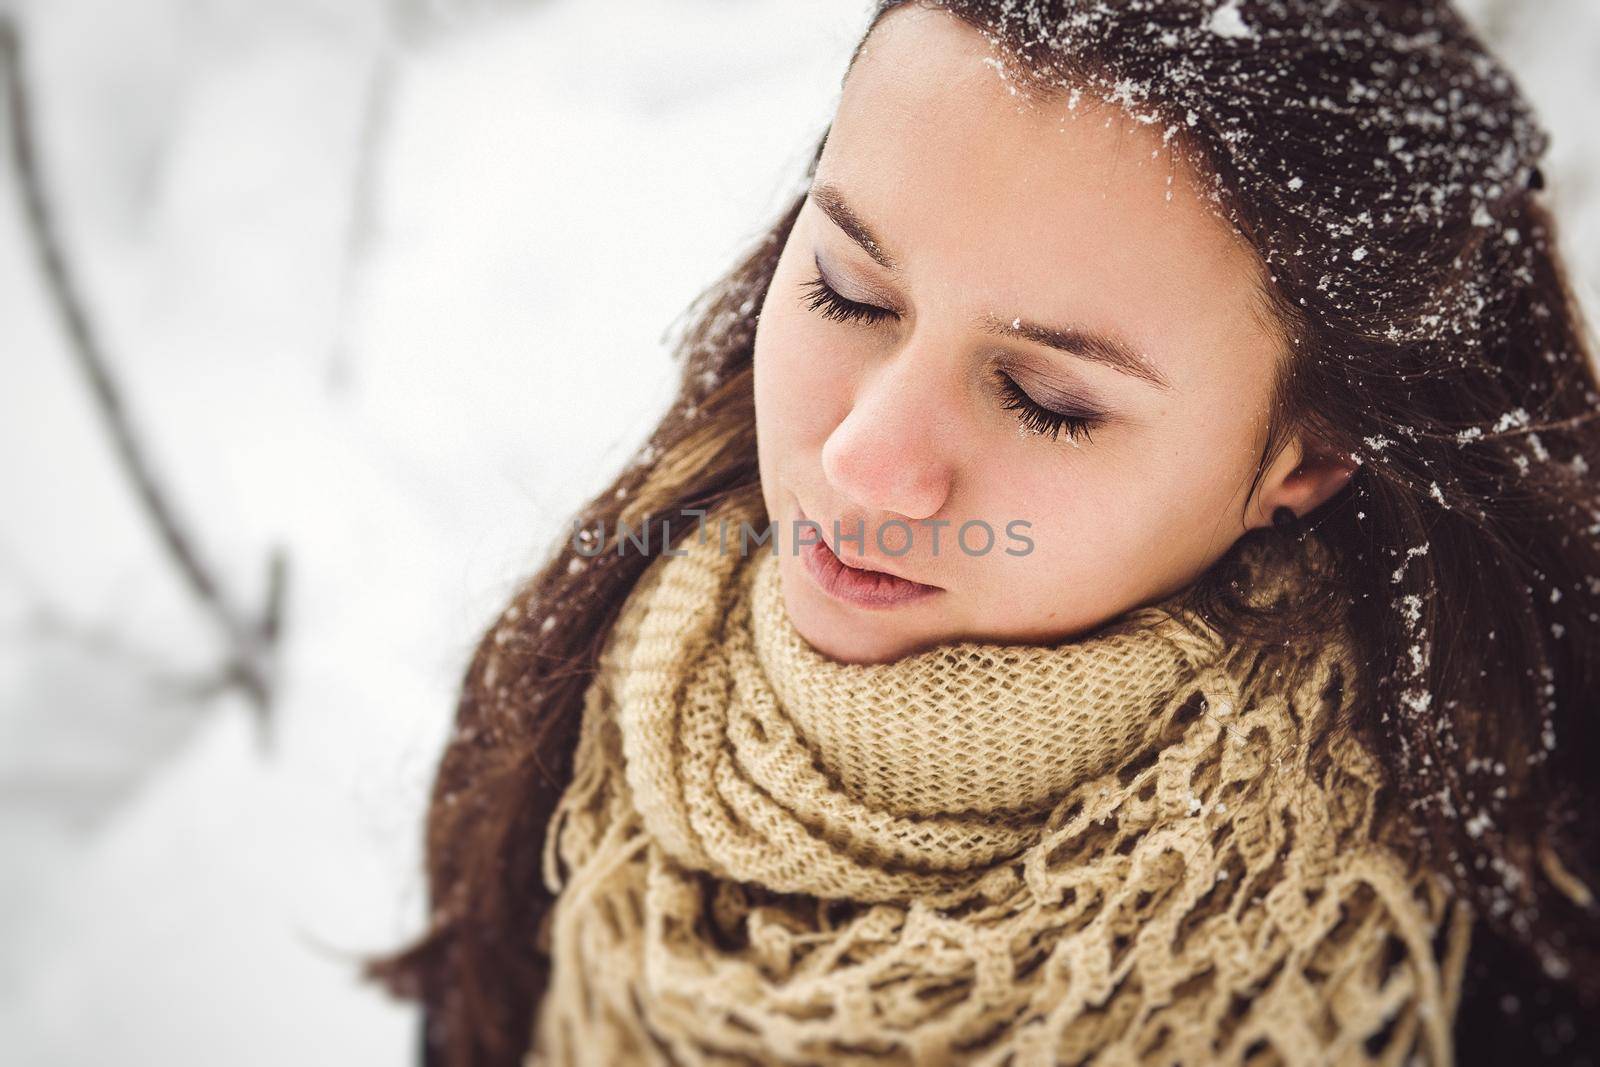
(886, 456)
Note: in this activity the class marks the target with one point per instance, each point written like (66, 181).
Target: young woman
(1244, 711)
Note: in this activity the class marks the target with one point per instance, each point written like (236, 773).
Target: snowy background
(384, 284)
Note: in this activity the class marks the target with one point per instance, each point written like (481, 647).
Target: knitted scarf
(1121, 849)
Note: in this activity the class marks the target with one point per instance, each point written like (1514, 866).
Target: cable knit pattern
(1115, 850)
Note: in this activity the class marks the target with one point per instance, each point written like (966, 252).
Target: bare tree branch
(376, 106)
(252, 643)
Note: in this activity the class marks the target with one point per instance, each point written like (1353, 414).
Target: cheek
(1204, 467)
(799, 384)
(1171, 513)
(1097, 524)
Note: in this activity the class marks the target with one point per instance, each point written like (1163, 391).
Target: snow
(1225, 21)
(1512, 419)
(553, 183)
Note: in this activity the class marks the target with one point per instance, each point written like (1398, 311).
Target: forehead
(1059, 208)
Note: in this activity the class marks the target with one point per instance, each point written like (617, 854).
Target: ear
(1300, 480)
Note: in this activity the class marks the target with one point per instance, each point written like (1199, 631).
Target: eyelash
(826, 301)
(1041, 420)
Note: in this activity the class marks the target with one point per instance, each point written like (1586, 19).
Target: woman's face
(1003, 268)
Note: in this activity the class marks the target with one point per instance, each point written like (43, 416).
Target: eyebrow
(1094, 346)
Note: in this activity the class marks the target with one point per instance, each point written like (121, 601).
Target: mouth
(858, 583)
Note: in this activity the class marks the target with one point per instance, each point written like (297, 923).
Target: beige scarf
(1117, 850)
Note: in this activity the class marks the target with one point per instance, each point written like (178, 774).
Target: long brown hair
(1385, 169)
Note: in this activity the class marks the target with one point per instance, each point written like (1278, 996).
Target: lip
(860, 585)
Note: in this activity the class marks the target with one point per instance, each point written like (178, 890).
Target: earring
(1284, 518)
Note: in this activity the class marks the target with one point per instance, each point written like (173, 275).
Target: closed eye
(1032, 416)
(1036, 418)
(825, 299)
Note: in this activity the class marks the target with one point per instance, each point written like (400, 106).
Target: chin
(839, 636)
(851, 651)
